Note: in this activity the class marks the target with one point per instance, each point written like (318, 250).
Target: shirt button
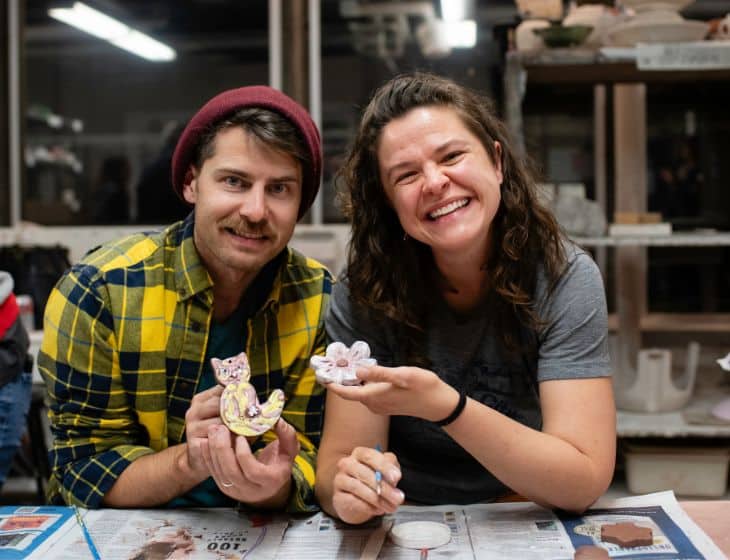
(196, 326)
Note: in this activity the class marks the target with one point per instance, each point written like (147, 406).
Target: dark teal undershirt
(227, 339)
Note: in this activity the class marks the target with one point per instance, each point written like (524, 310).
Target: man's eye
(451, 156)
(232, 181)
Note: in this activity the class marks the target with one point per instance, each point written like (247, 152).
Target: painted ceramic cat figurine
(240, 409)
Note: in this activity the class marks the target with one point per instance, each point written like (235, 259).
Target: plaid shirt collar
(192, 278)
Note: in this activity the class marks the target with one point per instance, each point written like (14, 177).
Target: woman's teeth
(449, 208)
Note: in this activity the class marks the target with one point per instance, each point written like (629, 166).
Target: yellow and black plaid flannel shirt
(125, 335)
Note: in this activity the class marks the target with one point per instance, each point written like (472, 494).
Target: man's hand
(262, 481)
(204, 413)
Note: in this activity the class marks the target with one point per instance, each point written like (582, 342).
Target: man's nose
(253, 205)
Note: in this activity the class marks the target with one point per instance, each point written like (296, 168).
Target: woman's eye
(232, 181)
(278, 188)
(405, 177)
(451, 156)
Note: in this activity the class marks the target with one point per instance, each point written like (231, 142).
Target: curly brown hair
(388, 273)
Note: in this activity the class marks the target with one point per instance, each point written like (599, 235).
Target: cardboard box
(689, 471)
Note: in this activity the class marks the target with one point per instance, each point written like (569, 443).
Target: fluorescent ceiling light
(101, 25)
(458, 34)
(453, 10)
(139, 43)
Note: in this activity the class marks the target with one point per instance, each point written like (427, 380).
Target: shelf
(679, 322)
(711, 386)
(665, 425)
(684, 239)
(575, 65)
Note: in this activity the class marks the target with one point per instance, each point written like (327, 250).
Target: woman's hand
(357, 495)
(402, 391)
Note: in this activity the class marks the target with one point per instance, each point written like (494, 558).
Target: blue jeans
(14, 405)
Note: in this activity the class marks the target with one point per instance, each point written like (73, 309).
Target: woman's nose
(435, 180)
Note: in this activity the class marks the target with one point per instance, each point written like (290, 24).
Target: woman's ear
(498, 160)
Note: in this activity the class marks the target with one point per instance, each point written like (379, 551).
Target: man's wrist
(277, 501)
(189, 476)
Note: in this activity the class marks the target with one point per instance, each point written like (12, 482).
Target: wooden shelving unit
(668, 322)
(619, 71)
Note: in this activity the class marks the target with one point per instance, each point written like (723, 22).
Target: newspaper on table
(205, 534)
(515, 530)
(24, 529)
(511, 530)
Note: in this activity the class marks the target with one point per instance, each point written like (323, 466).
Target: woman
(489, 327)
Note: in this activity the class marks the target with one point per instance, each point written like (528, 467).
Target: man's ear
(190, 185)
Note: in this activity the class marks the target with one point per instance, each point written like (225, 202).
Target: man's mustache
(246, 227)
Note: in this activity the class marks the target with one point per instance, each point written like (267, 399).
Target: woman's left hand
(403, 391)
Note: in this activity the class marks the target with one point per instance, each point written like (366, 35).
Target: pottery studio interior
(620, 105)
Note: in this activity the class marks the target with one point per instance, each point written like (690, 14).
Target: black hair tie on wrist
(455, 413)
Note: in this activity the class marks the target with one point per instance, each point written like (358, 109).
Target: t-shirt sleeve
(573, 342)
(348, 322)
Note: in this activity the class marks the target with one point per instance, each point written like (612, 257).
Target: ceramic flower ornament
(725, 363)
(240, 408)
(339, 363)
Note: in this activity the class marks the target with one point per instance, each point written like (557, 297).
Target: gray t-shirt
(464, 353)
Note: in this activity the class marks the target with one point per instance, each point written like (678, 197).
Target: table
(125, 533)
(713, 517)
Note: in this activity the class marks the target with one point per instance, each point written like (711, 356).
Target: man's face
(246, 199)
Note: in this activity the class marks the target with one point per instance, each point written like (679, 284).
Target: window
(100, 122)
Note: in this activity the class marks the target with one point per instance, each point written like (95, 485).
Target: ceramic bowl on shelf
(563, 35)
(631, 33)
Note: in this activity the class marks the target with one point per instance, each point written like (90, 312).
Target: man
(129, 332)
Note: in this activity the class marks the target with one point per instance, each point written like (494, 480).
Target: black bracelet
(455, 413)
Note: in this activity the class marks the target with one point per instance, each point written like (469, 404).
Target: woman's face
(440, 180)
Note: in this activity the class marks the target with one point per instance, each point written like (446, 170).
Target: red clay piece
(589, 552)
(626, 535)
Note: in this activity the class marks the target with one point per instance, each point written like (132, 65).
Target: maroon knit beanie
(228, 102)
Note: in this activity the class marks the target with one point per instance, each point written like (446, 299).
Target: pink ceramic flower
(340, 362)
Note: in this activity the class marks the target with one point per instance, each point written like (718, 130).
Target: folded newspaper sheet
(512, 530)
(205, 534)
(515, 530)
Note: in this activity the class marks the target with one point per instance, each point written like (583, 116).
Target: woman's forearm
(563, 468)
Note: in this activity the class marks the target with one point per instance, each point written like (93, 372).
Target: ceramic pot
(598, 16)
(525, 39)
